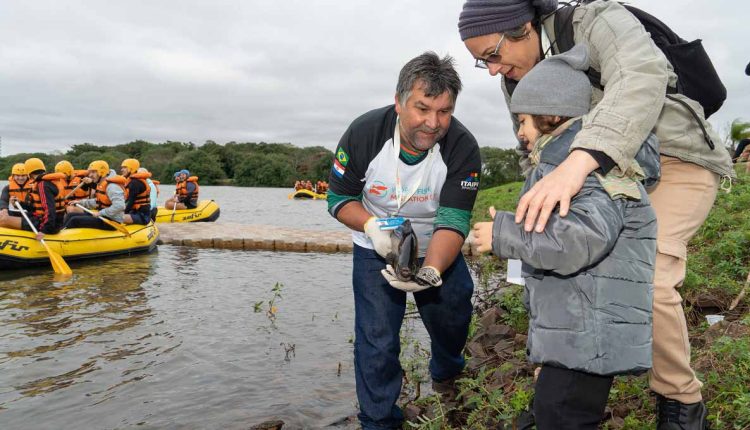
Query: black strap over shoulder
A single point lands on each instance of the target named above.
(564, 39)
(563, 29)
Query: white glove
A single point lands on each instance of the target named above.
(426, 277)
(408, 286)
(430, 276)
(381, 239)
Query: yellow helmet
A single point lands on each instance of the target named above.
(132, 164)
(101, 167)
(18, 169)
(64, 167)
(33, 164)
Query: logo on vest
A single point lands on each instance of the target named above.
(421, 195)
(378, 189)
(471, 183)
(13, 245)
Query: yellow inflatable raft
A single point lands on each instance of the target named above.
(207, 211)
(19, 249)
(307, 194)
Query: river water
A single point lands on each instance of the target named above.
(182, 337)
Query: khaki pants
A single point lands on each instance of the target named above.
(682, 201)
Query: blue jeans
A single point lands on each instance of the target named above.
(378, 314)
(139, 217)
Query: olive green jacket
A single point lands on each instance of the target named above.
(635, 74)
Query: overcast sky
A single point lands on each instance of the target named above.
(275, 71)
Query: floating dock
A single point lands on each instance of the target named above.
(255, 237)
(258, 237)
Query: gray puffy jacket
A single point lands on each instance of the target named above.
(589, 274)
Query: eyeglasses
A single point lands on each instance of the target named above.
(493, 58)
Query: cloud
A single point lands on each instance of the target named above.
(276, 71)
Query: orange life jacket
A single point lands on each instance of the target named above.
(35, 199)
(18, 191)
(144, 198)
(182, 188)
(102, 199)
(80, 193)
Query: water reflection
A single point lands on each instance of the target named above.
(185, 262)
(172, 340)
(73, 322)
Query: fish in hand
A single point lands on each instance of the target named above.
(405, 252)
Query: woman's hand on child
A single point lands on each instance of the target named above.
(482, 240)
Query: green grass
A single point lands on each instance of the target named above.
(504, 198)
(719, 254)
(726, 375)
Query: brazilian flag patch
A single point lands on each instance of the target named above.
(342, 156)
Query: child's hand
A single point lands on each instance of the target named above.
(483, 234)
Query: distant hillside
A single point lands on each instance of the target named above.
(246, 164)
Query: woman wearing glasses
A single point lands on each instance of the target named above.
(508, 38)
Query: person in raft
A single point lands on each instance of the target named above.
(410, 160)
(154, 194)
(589, 274)
(137, 193)
(16, 191)
(109, 199)
(73, 178)
(186, 192)
(44, 201)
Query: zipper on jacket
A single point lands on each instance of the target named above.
(707, 139)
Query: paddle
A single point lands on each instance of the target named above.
(174, 206)
(117, 226)
(67, 196)
(58, 264)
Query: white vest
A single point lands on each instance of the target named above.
(420, 183)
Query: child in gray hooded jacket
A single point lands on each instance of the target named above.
(588, 275)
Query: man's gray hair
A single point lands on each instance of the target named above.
(437, 75)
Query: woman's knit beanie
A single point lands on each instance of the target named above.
(480, 17)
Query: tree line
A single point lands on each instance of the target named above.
(242, 164)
